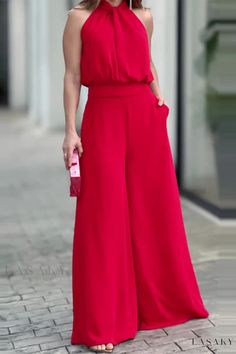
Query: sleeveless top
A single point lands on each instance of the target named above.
(115, 47)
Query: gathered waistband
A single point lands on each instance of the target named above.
(117, 89)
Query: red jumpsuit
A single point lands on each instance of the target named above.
(131, 267)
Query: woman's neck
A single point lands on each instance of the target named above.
(114, 2)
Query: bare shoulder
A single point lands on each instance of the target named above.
(77, 15)
(145, 15)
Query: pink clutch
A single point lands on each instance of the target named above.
(75, 178)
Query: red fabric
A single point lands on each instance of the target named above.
(131, 267)
(115, 47)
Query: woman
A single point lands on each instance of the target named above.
(131, 263)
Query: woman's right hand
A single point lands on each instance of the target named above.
(71, 141)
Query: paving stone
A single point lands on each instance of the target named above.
(6, 324)
(175, 337)
(220, 331)
(55, 345)
(153, 333)
(5, 346)
(9, 299)
(63, 320)
(202, 350)
(28, 350)
(17, 336)
(36, 340)
(24, 291)
(66, 335)
(73, 349)
(223, 351)
(47, 294)
(54, 329)
(60, 308)
(21, 303)
(34, 326)
(163, 349)
(53, 297)
(8, 311)
(50, 304)
(8, 292)
(3, 331)
(54, 351)
(228, 321)
(26, 314)
(59, 317)
(192, 324)
(132, 345)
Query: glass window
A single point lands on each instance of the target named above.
(209, 101)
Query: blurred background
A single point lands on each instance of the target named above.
(194, 50)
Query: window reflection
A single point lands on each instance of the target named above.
(210, 101)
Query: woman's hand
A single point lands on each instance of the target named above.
(71, 141)
(160, 100)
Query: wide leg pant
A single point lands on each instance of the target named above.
(131, 266)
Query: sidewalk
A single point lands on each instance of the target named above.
(36, 215)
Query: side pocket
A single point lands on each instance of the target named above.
(167, 110)
(164, 109)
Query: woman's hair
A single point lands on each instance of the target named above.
(90, 4)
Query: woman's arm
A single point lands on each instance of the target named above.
(148, 21)
(72, 85)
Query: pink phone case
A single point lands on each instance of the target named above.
(75, 178)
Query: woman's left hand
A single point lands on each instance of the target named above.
(160, 100)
